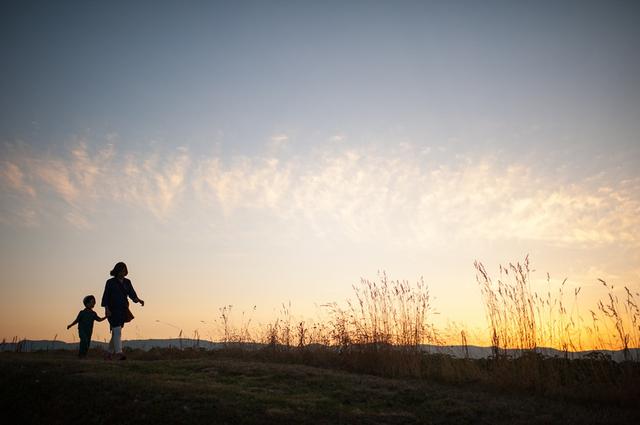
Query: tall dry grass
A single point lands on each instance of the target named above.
(384, 327)
(383, 313)
(523, 319)
(231, 334)
(620, 319)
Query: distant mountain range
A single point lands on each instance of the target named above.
(475, 352)
(471, 351)
(143, 344)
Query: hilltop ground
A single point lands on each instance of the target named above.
(56, 388)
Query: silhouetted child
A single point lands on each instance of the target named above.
(85, 321)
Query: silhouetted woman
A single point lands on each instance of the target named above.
(116, 305)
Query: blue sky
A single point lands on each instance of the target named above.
(237, 71)
(285, 149)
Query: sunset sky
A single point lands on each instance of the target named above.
(255, 153)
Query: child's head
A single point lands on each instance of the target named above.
(89, 301)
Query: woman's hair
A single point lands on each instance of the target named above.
(118, 268)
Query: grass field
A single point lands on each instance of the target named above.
(364, 365)
(55, 388)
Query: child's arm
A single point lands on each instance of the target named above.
(75, 322)
(98, 318)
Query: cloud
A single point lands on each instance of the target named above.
(279, 138)
(278, 141)
(55, 173)
(88, 178)
(18, 196)
(13, 178)
(369, 194)
(399, 193)
(87, 169)
(152, 182)
(78, 220)
(18, 215)
(259, 183)
(169, 182)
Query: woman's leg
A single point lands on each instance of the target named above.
(116, 339)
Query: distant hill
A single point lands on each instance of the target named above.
(143, 344)
(473, 352)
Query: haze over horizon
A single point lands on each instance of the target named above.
(254, 154)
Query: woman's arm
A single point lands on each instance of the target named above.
(132, 294)
(106, 296)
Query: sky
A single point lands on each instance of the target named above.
(260, 153)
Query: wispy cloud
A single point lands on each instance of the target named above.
(369, 193)
(18, 197)
(77, 220)
(278, 141)
(151, 182)
(258, 183)
(401, 193)
(86, 179)
(90, 169)
(55, 174)
(13, 178)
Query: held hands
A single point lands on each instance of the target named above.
(141, 302)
